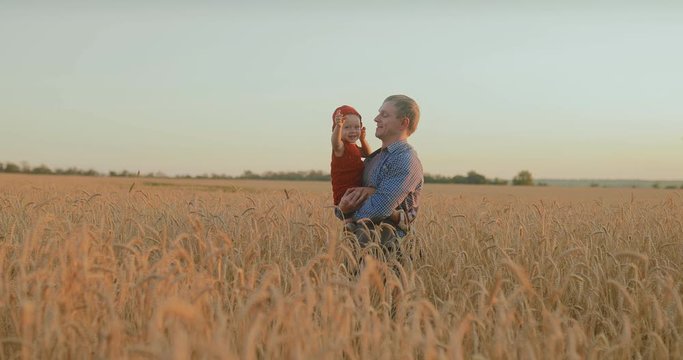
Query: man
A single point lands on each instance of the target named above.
(392, 177)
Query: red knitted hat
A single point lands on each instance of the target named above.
(346, 110)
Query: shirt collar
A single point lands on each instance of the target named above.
(399, 145)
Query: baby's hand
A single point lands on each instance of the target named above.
(338, 118)
(362, 133)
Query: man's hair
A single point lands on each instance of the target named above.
(407, 107)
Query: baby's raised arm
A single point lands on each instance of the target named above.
(337, 143)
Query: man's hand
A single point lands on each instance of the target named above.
(362, 133)
(354, 197)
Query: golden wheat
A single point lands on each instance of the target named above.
(124, 268)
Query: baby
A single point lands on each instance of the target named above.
(347, 165)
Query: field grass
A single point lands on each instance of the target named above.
(139, 268)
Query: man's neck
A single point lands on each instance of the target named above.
(387, 142)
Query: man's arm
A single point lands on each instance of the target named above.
(353, 199)
(403, 176)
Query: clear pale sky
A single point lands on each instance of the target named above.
(566, 90)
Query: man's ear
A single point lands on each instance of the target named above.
(405, 123)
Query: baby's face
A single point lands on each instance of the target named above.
(351, 128)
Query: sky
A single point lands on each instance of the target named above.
(573, 89)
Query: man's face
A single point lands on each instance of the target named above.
(388, 124)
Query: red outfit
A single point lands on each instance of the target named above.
(347, 171)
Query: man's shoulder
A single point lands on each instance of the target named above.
(405, 161)
(403, 151)
(399, 147)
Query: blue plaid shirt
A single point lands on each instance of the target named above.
(396, 174)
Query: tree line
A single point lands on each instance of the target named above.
(25, 168)
(524, 177)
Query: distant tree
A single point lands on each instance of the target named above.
(655, 186)
(497, 181)
(459, 179)
(437, 179)
(42, 169)
(523, 178)
(126, 173)
(474, 178)
(12, 168)
(248, 174)
(71, 171)
(317, 175)
(2, 167)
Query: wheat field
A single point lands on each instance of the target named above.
(187, 269)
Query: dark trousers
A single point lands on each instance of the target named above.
(382, 235)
